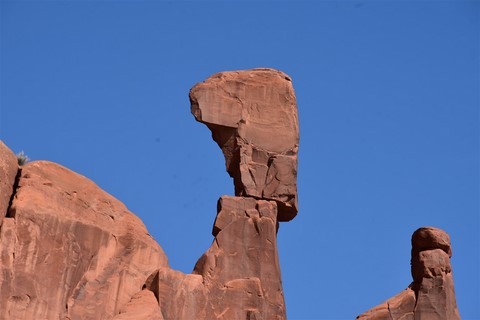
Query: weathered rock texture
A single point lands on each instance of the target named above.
(238, 277)
(431, 295)
(68, 250)
(253, 117)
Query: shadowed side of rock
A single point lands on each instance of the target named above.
(431, 295)
(8, 174)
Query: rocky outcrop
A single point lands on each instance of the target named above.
(238, 277)
(431, 295)
(69, 250)
(253, 117)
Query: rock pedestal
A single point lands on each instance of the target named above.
(238, 277)
(253, 118)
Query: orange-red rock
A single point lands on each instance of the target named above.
(398, 307)
(253, 117)
(238, 277)
(69, 250)
(143, 305)
(431, 295)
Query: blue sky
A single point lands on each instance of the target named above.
(388, 96)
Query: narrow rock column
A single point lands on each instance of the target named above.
(432, 275)
(240, 271)
(253, 117)
(431, 295)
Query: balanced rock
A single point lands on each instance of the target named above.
(253, 117)
(431, 295)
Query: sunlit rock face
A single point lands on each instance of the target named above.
(431, 295)
(69, 250)
(253, 117)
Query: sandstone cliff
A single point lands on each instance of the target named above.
(69, 250)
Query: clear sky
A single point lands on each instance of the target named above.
(388, 97)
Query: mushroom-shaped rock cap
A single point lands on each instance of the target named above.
(253, 117)
(429, 238)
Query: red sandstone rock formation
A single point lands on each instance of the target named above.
(431, 295)
(253, 117)
(68, 250)
(238, 277)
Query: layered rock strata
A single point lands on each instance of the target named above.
(253, 117)
(431, 295)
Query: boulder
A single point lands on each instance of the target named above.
(252, 115)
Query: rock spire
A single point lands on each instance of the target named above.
(69, 250)
(253, 118)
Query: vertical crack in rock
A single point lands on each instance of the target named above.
(431, 295)
(10, 213)
(9, 176)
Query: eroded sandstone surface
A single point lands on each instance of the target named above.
(431, 295)
(253, 117)
(69, 250)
